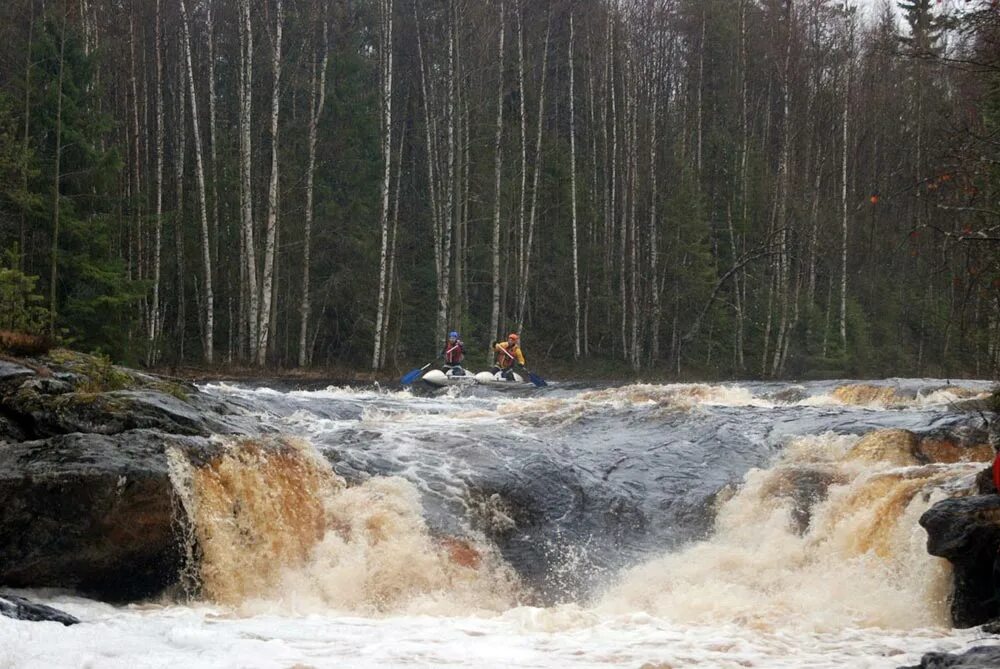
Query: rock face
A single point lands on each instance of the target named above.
(20, 608)
(966, 531)
(979, 657)
(91, 512)
(86, 500)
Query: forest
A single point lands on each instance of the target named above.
(694, 188)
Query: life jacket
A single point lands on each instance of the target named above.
(996, 472)
(453, 353)
(506, 356)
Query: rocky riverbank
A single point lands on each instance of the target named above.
(86, 500)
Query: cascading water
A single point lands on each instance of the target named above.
(643, 525)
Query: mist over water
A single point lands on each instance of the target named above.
(719, 525)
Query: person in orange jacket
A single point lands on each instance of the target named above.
(508, 354)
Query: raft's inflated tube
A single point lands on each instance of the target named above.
(436, 377)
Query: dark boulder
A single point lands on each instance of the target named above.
(979, 657)
(20, 608)
(110, 413)
(966, 531)
(93, 512)
(13, 374)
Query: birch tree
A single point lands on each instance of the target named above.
(385, 58)
(572, 163)
(317, 102)
(497, 167)
(526, 262)
(271, 229)
(247, 246)
(154, 312)
(206, 252)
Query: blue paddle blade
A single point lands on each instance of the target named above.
(410, 377)
(537, 380)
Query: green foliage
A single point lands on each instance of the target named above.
(21, 307)
(95, 299)
(98, 372)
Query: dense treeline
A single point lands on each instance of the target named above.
(739, 187)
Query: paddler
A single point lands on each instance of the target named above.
(508, 354)
(454, 354)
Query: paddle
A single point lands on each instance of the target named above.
(413, 375)
(536, 379)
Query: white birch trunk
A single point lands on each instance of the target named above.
(392, 248)
(246, 187)
(179, 156)
(448, 215)
(56, 181)
(497, 166)
(783, 185)
(386, 58)
(154, 316)
(317, 101)
(271, 226)
(572, 163)
(209, 319)
(843, 203)
(524, 151)
(212, 138)
(526, 267)
(653, 236)
(441, 257)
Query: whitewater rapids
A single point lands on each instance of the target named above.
(638, 526)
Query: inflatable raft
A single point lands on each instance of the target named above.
(440, 379)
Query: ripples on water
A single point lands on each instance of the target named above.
(651, 525)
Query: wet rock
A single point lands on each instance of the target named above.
(898, 447)
(860, 394)
(789, 395)
(979, 657)
(992, 627)
(984, 482)
(47, 386)
(966, 531)
(92, 512)
(805, 487)
(10, 430)
(111, 413)
(13, 375)
(950, 450)
(20, 608)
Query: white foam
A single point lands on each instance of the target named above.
(200, 637)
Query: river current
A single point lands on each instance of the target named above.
(726, 525)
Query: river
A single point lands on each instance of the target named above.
(725, 525)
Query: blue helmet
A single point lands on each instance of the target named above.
(452, 335)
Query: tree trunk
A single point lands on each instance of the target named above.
(271, 228)
(246, 187)
(317, 101)
(386, 60)
(653, 237)
(179, 150)
(206, 253)
(524, 153)
(783, 185)
(497, 167)
(535, 179)
(56, 179)
(154, 316)
(212, 137)
(26, 145)
(572, 162)
(843, 202)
